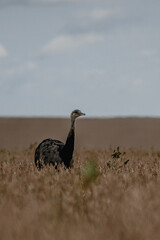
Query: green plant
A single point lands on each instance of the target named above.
(118, 159)
(89, 172)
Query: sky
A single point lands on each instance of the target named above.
(100, 56)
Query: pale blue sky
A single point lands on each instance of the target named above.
(100, 56)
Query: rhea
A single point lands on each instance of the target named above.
(54, 152)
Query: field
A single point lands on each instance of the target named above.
(104, 196)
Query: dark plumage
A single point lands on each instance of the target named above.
(54, 152)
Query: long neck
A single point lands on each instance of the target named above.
(68, 149)
(70, 138)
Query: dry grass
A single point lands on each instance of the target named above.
(100, 198)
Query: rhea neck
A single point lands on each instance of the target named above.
(72, 123)
(68, 149)
(70, 138)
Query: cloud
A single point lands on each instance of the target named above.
(97, 19)
(18, 69)
(27, 2)
(138, 82)
(31, 65)
(3, 52)
(148, 53)
(95, 72)
(101, 14)
(67, 43)
(54, 1)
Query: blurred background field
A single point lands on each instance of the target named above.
(91, 133)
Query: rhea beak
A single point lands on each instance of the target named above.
(83, 114)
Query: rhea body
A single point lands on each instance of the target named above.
(54, 152)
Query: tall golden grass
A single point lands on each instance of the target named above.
(99, 198)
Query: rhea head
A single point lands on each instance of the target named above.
(76, 113)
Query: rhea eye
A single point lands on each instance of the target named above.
(76, 111)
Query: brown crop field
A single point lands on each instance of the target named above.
(110, 193)
(103, 196)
